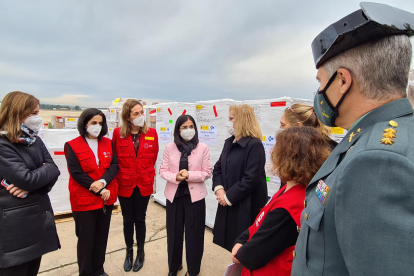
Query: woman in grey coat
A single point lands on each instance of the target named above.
(27, 174)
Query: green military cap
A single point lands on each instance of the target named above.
(373, 21)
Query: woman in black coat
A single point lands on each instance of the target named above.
(28, 173)
(239, 178)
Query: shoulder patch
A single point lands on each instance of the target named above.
(390, 136)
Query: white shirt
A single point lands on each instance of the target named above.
(93, 144)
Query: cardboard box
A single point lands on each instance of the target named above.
(67, 122)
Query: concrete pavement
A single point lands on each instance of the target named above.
(63, 262)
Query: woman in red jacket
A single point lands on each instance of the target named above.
(93, 188)
(137, 149)
(267, 247)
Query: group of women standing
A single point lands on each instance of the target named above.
(101, 171)
(260, 236)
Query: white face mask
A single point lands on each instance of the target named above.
(94, 130)
(187, 134)
(230, 128)
(34, 122)
(139, 121)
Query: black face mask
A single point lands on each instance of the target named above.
(324, 110)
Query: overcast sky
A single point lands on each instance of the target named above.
(90, 52)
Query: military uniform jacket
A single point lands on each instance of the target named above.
(359, 207)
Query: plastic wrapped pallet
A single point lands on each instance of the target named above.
(54, 140)
(59, 195)
(160, 186)
(269, 112)
(338, 133)
(111, 128)
(166, 116)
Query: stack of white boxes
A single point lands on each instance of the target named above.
(268, 113)
(54, 140)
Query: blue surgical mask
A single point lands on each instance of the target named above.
(324, 110)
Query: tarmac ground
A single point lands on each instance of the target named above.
(64, 262)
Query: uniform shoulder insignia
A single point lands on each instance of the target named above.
(389, 134)
(393, 123)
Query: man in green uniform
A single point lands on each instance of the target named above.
(359, 208)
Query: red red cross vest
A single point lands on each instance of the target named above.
(81, 199)
(136, 171)
(292, 201)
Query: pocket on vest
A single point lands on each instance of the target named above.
(22, 226)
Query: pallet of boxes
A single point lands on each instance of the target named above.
(64, 122)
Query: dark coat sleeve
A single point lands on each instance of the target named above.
(217, 173)
(75, 169)
(14, 170)
(256, 159)
(277, 232)
(242, 239)
(111, 172)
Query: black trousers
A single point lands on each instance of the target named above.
(182, 213)
(30, 268)
(134, 210)
(92, 229)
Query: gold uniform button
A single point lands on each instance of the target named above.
(297, 228)
(294, 254)
(304, 203)
(306, 216)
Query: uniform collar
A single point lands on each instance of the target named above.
(392, 110)
(389, 111)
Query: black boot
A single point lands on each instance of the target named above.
(128, 259)
(139, 261)
(175, 272)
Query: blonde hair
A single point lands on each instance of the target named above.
(14, 108)
(126, 114)
(247, 124)
(303, 113)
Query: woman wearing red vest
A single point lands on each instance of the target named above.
(93, 189)
(137, 148)
(267, 247)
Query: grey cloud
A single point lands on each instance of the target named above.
(177, 50)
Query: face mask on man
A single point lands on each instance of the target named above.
(230, 128)
(94, 130)
(187, 134)
(323, 108)
(34, 122)
(139, 121)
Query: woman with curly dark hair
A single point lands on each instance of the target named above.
(267, 247)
